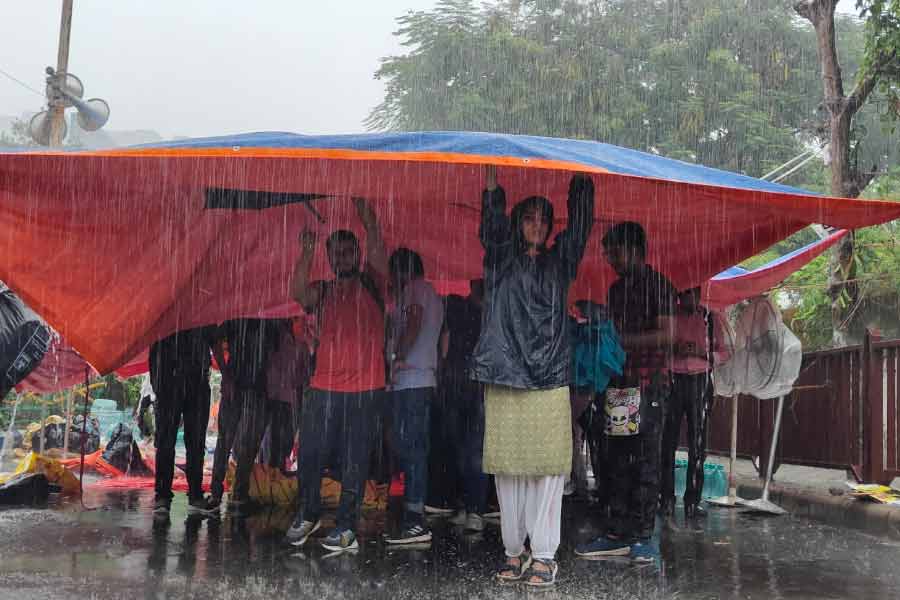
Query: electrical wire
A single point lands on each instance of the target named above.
(22, 83)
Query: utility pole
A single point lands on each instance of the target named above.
(57, 108)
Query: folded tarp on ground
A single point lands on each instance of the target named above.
(119, 248)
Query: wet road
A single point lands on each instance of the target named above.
(116, 551)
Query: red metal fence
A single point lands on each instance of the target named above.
(843, 413)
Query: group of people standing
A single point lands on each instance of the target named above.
(484, 383)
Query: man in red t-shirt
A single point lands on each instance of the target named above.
(341, 412)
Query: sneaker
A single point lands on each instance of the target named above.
(162, 506)
(437, 511)
(300, 531)
(459, 518)
(603, 546)
(644, 551)
(492, 515)
(474, 522)
(340, 539)
(202, 506)
(415, 534)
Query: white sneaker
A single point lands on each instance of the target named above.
(440, 512)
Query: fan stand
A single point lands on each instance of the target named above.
(764, 505)
(731, 500)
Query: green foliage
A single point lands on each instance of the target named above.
(882, 47)
(718, 82)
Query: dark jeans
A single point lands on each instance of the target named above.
(690, 397)
(410, 424)
(341, 424)
(634, 472)
(467, 416)
(256, 411)
(186, 401)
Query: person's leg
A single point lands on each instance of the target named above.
(622, 481)
(645, 488)
(254, 418)
(229, 418)
(410, 431)
(696, 409)
(317, 421)
(670, 437)
(580, 401)
(196, 419)
(471, 450)
(361, 415)
(543, 514)
(511, 493)
(168, 419)
(442, 488)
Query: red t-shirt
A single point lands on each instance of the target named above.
(350, 353)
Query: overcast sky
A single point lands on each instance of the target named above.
(211, 67)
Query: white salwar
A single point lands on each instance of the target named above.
(531, 507)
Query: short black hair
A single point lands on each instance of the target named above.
(627, 234)
(341, 235)
(404, 260)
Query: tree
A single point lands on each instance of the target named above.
(719, 82)
(880, 68)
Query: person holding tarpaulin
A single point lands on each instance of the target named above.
(523, 360)
(341, 409)
(640, 303)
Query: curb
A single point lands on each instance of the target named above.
(839, 510)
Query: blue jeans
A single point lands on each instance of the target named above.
(410, 420)
(337, 426)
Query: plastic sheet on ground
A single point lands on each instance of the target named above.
(269, 486)
(54, 470)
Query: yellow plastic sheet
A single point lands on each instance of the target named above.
(52, 470)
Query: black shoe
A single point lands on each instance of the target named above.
(694, 511)
(202, 506)
(413, 534)
(161, 507)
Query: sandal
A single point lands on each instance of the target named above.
(547, 578)
(517, 571)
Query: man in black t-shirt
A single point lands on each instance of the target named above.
(641, 305)
(179, 374)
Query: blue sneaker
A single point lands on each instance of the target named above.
(340, 539)
(604, 546)
(644, 551)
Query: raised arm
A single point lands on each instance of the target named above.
(376, 255)
(570, 244)
(494, 230)
(302, 291)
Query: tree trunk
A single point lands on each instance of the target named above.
(846, 182)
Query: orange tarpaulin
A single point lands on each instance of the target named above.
(118, 249)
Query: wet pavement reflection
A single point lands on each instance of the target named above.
(117, 550)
